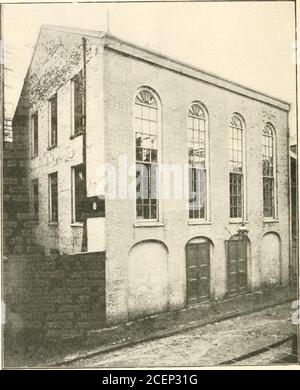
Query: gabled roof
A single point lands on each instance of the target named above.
(113, 43)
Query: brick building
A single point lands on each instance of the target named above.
(91, 99)
(294, 212)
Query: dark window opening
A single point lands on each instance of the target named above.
(53, 121)
(35, 199)
(78, 104)
(53, 198)
(79, 198)
(35, 133)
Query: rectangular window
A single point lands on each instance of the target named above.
(197, 193)
(78, 193)
(53, 198)
(34, 134)
(53, 121)
(35, 199)
(78, 97)
(236, 195)
(146, 187)
(268, 188)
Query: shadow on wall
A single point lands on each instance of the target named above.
(270, 259)
(148, 284)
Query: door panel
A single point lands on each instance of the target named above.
(198, 272)
(237, 266)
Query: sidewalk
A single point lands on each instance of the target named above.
(158, 326)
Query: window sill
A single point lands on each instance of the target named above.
(72, 136)
(34, 156)
(148, 224)
(237, 221)
(52, 147)
(77, 224)
(53, 223)
(271, 220)
(198, 222)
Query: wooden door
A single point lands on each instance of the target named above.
(237, 266)
(198, 272)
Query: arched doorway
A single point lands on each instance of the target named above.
(198, 270)
(147, 278)
(237, 265)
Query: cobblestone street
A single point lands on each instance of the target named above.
(209, 345)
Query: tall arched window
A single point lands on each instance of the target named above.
(197, 153)
(147, 150)
(236, 167)
(269, 171)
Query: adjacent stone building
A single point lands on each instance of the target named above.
(91, 99)
(294, 213)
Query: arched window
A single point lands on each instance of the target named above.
(269, 171)
(236, 167)
(146, 118)
(197, 154)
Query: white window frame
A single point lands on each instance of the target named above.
(158, 220)
(275, 217)
(243, 218)
(207, 164)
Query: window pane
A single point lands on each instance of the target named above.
(146, 124)
(53, 120)
(236, 167)
(236, 195)
(197, 161)
(53, 198)
(35, 194)
(78, 96)
(146, 187)
(268, 171)
(79, 193)
(268, 184)
(197, 193)
(35, 134)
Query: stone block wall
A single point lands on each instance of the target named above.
(56, 296)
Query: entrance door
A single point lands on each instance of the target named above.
(198, 272)
(237, 265)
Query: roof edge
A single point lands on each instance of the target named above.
(128, 48)
(111, 40)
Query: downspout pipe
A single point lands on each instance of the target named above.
(84, 236)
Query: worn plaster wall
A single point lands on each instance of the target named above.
(123, 76)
